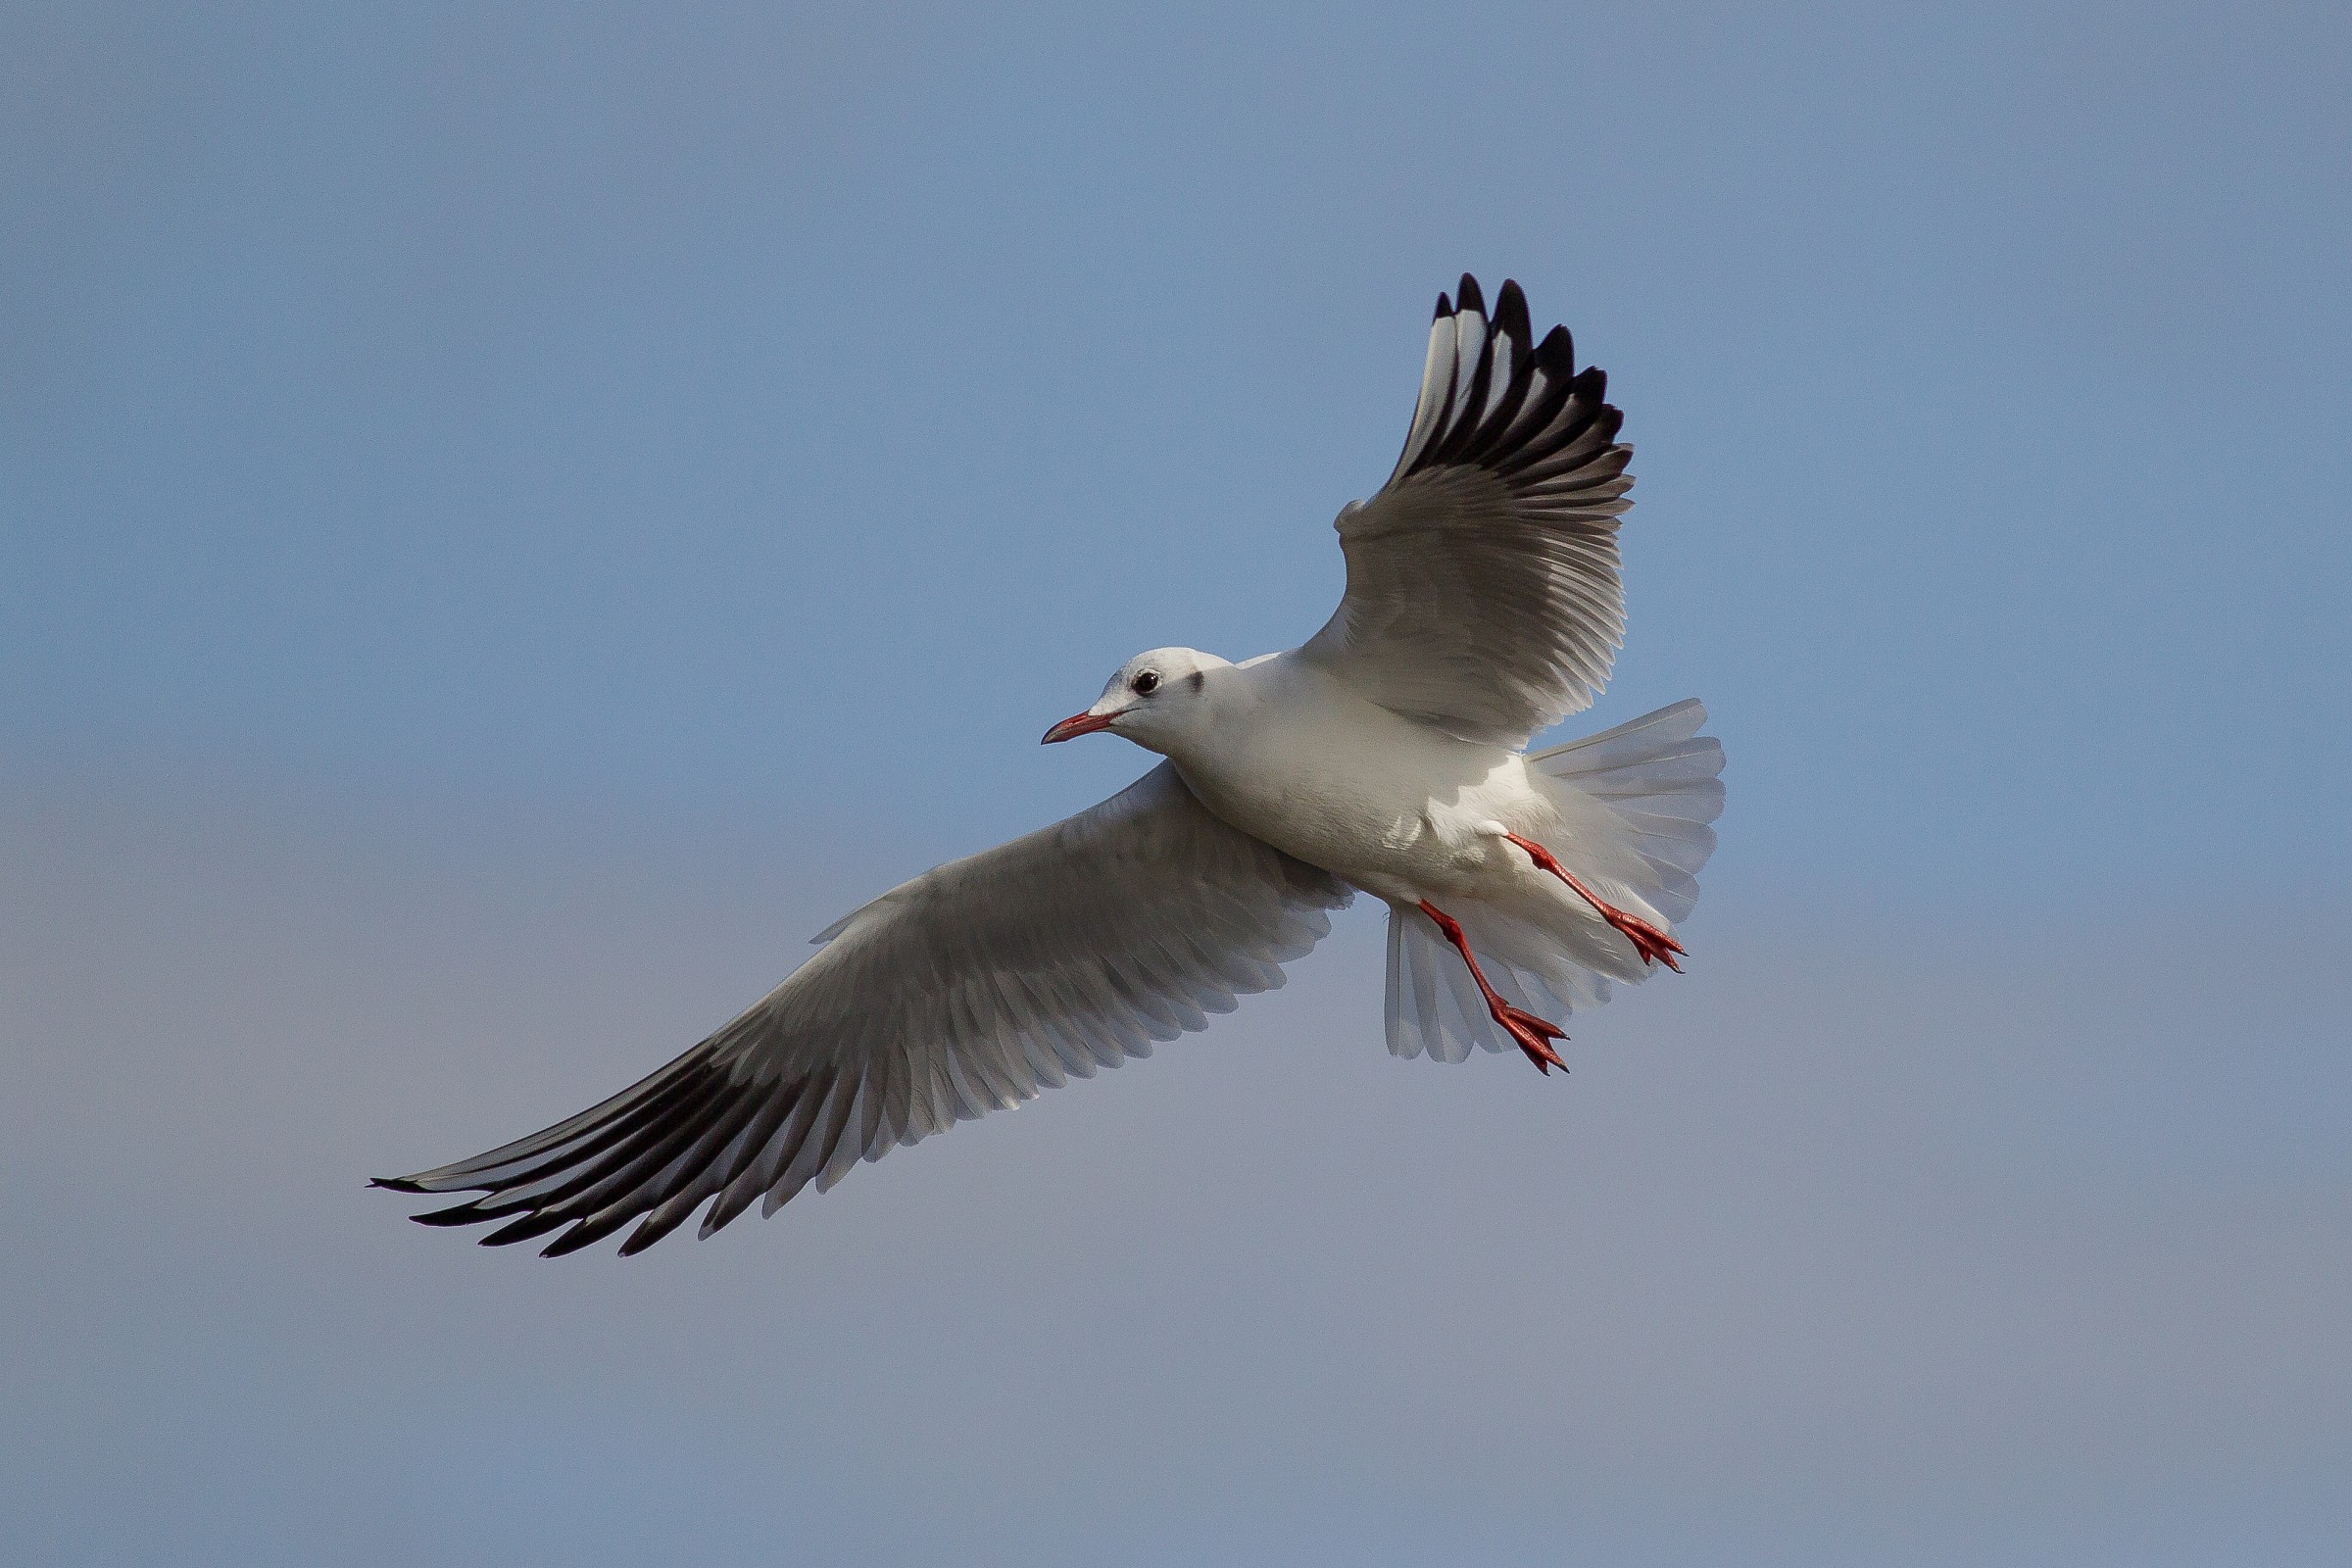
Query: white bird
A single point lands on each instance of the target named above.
(1385, 754)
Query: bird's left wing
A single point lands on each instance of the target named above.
(1482, 591)
(964, 990)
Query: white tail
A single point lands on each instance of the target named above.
(1658, 775)
(1650, 787)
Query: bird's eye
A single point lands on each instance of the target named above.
(1145, 683)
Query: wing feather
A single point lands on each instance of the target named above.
(970, 988)
(1482, 582)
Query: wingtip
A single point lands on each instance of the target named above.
(394, 1184)
(652, 1229)
(1556, 354)
(1470, 298)
(1510, 313)
(523, 1230)
(1445, 308)
(571, 1240)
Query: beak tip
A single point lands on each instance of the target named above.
(1075, 725)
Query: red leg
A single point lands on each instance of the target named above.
(1531, 1032)
(1654, 945)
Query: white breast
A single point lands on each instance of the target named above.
(1395, 806)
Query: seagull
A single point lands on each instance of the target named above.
(1385, 754)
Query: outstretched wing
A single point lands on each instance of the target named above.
(1482, 591)
(964, 990)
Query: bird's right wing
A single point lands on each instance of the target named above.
(1483, 593)
(964, 990)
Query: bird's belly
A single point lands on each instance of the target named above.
(1400, 843)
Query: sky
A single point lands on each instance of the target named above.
(513, 518)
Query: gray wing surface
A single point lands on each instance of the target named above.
(1483, 590)
(964, 990)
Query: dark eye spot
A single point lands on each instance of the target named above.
(1145, 683)
(1196, 679)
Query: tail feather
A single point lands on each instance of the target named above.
(1434, 1006)
(1658, 778)
(1643, 794)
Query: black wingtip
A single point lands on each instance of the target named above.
(1556, 354)
(653, 1228)
(1470, 298)
(394, 1184)
(1445, 309)
(646, 1235)
(571, 1240)
(467, 1213)
(523, 1230)
(1510, 313)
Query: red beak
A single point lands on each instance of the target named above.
(1077, 724)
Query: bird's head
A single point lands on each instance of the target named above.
(1158, 700)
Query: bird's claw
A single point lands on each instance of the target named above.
(1654, 945)
(1533, 1035)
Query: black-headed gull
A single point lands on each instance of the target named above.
(1385, 754)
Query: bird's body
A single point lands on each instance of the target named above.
(1386, 755)
(1390, 805)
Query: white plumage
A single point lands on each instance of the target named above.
(1384, 754)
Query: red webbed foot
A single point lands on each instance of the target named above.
(1533, 1035)
(1653, 945)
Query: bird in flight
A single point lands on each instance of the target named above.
(1385, 754)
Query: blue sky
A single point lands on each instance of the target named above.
(569, 501)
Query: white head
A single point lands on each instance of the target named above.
(1158, 700)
